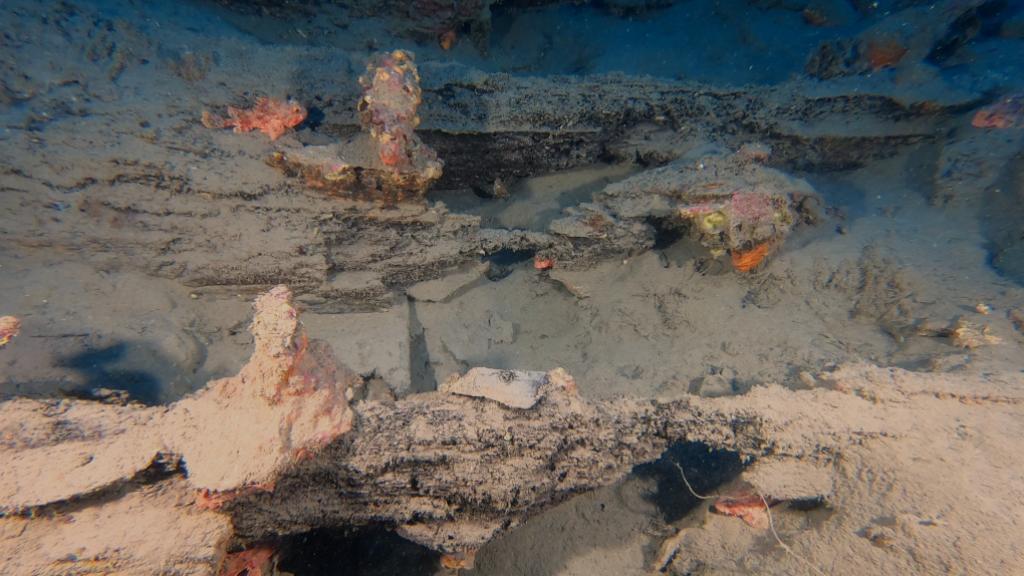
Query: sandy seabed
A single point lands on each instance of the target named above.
(898, 313)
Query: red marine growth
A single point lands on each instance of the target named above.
(270, 116)
(1007, 113)
(746, 505)
(256, 561)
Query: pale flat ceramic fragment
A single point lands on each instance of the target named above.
(513, 388)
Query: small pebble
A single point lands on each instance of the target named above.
(807, 379)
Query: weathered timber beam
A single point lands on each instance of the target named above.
(532, 125)
(280, 449)
(450, 472)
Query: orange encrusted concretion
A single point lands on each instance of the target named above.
(746, 505)
(543, 263)
(391, 96)
(747, 260)
(447, 40)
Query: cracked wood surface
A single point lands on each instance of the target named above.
(176, 200)
(453, 472)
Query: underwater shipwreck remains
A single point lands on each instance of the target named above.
(729, 203)
(337, 252)
(216, 482)
(282, 448)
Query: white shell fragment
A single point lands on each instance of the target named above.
(513, 388)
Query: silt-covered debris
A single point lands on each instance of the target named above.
(729, 203)
(451, 470)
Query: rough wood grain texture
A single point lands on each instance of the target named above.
(235, 225)
(89, 168)
(452, 471)
(212, 214)
(492, 125)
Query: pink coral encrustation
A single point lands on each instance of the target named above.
(271, 116)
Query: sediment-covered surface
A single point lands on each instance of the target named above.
(783, 253)
(168, 196)
(454, 469)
